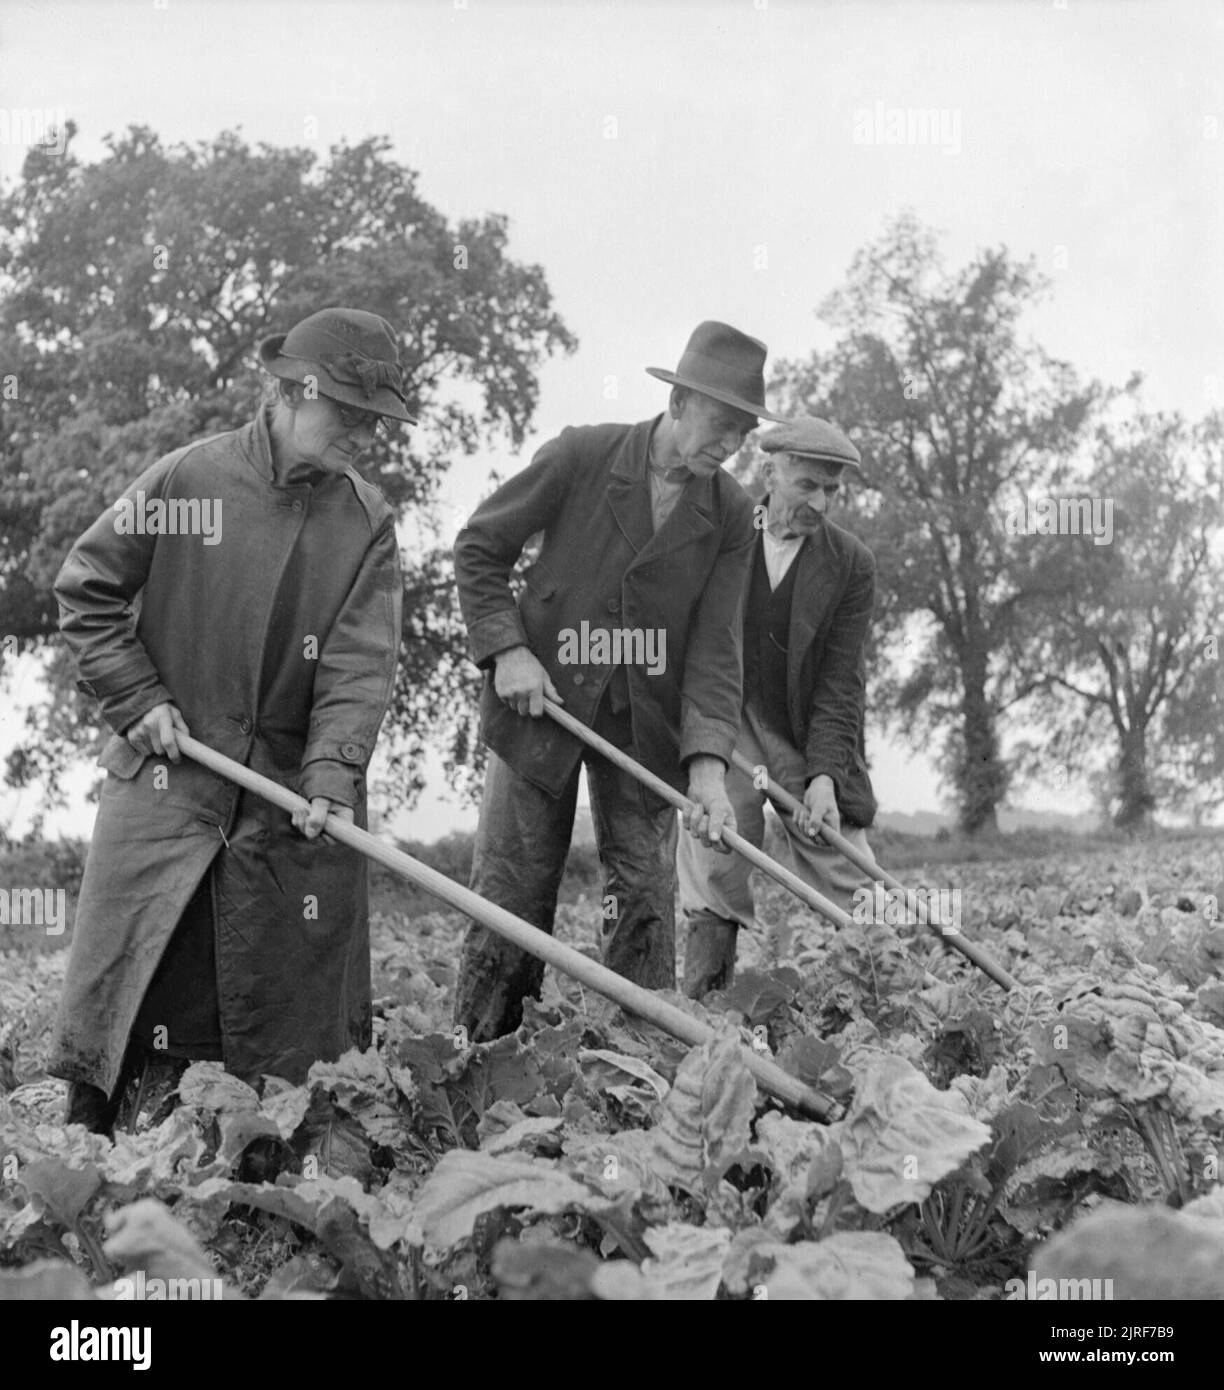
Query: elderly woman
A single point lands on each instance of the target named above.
(211, 925)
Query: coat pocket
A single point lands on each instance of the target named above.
(120, 758)
(541, 583)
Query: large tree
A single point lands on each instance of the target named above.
(955, 413)
(1133, 664)
(133, 292)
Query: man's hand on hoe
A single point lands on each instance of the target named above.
(710, 813)
(819, 805)
(155, 732)
(521, 682)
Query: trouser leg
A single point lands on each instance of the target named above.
(636, 840)
(522, 841)
(820, 866)
(716, 893)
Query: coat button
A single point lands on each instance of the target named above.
(614, 605)
(579, 678)
(297, 506)
(350, 750)
(245, 726)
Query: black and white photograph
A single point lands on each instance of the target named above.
(610, 674)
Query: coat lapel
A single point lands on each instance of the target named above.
(629, 497)
(628, 490)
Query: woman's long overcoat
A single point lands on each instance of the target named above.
(270, 615)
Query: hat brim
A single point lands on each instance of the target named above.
(830, 460)
(383, 402)
(726, 397)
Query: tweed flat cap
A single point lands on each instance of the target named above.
(810, 437)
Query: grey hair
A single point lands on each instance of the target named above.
(276, 389)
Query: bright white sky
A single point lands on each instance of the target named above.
(672, 162)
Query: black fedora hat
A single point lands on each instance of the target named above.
(351, 355)
(722, 362)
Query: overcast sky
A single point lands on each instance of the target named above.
(671, 162)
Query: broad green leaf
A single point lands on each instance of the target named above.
(305, 1276)
(1148, 1253)
(816, 1063)
(210, 1086)
(704, 1123)
(64, 1192)
(797, 1151)
(608, 1068)
(902, 1135)
(465, 1185)
(758, 994)
(544, 1271)
(45, 1280)
(287, 1109)
(1209, 1206)
(858, 1265)
(687, 1261)
(162, 1155)
(145, 1236)
(354, 1079)
(523, 1134)
(617, 1165)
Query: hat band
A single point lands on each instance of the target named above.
(723, 376)
(368, 373)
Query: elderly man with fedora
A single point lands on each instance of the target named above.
(630, 618)
(810, 596)
(211, 925)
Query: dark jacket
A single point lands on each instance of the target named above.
(826, 682)
(279, 646)
(587, 491)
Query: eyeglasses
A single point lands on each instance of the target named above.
(352, 418)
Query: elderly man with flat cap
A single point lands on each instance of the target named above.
(810, 596)
(630, 618)
(211, 925)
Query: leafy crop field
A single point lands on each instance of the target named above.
(591, 1156)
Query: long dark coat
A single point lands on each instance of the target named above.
(278, 644)
(602, 562)
(826, 675)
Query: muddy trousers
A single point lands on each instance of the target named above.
(716, 890)
(522, 842)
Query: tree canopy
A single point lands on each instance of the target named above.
(133, 293)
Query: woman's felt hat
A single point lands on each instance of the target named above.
(350, 355)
